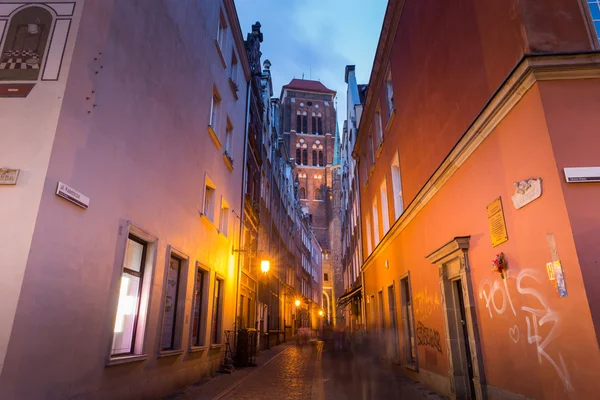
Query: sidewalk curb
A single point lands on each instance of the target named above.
(238, 383)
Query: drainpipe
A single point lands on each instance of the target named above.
(242, 213)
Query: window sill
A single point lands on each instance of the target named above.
(228, 162)
(390, 120)
(214, 137)
(412, 367)
(220, 54)
(216, 346)
(197, 349)
(126, 359)
(169, 353)
(234, 88)
(380, 149)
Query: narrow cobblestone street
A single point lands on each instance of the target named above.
(314, 371)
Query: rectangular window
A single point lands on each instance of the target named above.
(235, 69)
(408, 337)
(385, 216)
(130, 293)
(375, 223)
(229, 139)
(378, 129)
(594, 6)
(397, 187)
(389, 91)
(320, 127)
(224, 219)
(171, 304)
(198, 317)
(215, 332)
(368, 233)
(222, 30)
(299, 123)
(209, 200)
(215, 111)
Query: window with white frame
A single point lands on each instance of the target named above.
(224, 218)
(173, 304)
(216, 336)
(235, 71)
(134, 292)
(375, 222)
(594, 6)
(215, 111)
(389, 92)
(397, 187)
(199, 306)
(229, 139)
(222, 30)
(368, 233)
(378, 128)
(385, 216)
(209, 200)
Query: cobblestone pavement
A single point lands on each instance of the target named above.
(314, 372)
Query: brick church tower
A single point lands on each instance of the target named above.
(308, 119)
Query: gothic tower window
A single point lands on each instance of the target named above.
(304, 157)
(314, 126)
(320, 131)
(317, 194)
(320, 158)
(298, 160)
(304, 124)
(302, 193)
(298, 124)
(314, 157)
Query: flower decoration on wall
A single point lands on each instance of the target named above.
(499, 264)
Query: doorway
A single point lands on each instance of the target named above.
(393, 331)
(463, 350)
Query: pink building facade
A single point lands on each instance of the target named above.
(125, 122)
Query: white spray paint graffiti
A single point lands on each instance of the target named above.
(535, 318)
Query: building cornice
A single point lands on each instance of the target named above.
(531, 69)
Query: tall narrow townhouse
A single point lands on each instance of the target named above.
(478, 173)
(123, 130)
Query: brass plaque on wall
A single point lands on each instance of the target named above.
(496, 222)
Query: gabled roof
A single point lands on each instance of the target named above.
(308, 85)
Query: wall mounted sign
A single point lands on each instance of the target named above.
(8, 176)
(496, 222)
(526, 191)
(72, 195)
(587, 174)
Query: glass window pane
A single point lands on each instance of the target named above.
(126, 314)
(215, 331)
(595, 11)
(133, 256)
(196, 334)
(169, 318)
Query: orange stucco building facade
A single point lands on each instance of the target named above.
(472, 104)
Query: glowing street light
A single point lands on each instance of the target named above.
(264, 266)
(320, 313)
(297, 303)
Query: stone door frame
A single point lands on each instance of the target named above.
(453, 264)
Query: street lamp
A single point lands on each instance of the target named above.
(297, 303)
(320, 313)
(265, 265)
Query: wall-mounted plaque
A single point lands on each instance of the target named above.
(496, 222)
(72, 195)
(526, 191)
(8, 176)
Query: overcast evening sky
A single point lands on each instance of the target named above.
(317, 38)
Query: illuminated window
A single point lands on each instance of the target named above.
(200, 300)
(368, 232)
(209, 200)
(130, 293)
(215, 332)
(375, 222)
(397, 187)
(385, 216)
(224, 218)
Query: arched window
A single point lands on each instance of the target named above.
(298, 151)
(304, 124)
(302, 193)
(304, 157)
(298, 124)
(314, 158)
(320, 127)
(26, 40)
(317, 194)
(314, 126)
(321, 158)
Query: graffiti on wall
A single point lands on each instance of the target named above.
(428, 337)
(425, 304)
(537, 314)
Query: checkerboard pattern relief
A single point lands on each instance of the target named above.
(17, 59)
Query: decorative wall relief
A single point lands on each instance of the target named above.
(8, 176)
(526, 191)
(26, 40)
